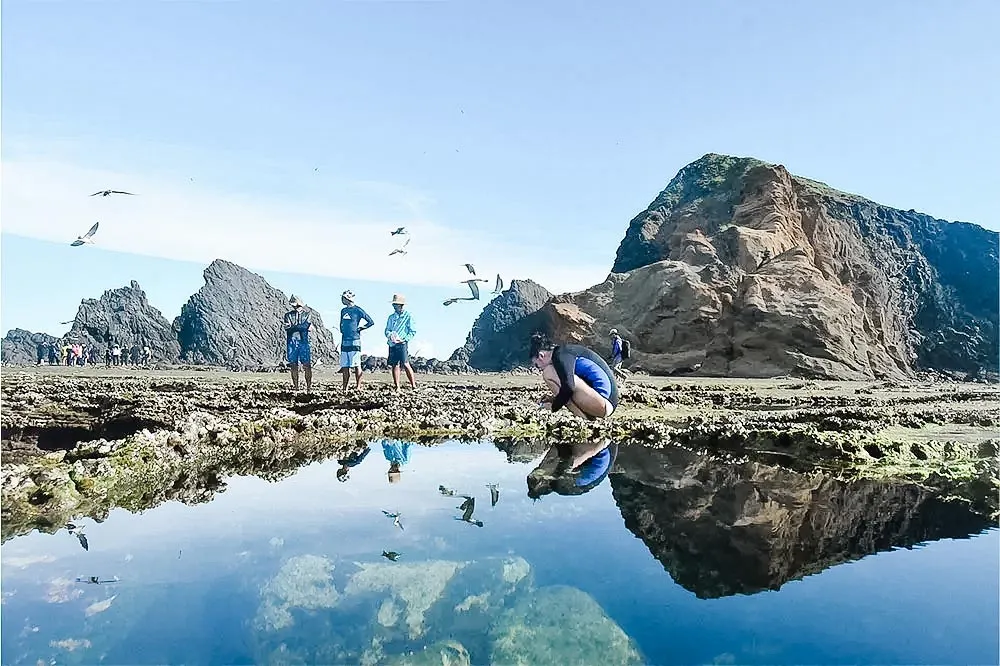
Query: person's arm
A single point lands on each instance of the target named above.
(287, 321)
(369, 322)
(565, 364)
(616, 347)
(410, 331)
(388, 326)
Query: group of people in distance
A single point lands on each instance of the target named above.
(578, 378)
(353, 320)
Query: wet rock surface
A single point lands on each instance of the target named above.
(81, 445)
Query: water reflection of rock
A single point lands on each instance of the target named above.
(722, 529)
(431, 612)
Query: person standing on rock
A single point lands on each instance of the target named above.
(298, 324)
(617, 354)
(398, 332)
(351, 317)
(579, 379)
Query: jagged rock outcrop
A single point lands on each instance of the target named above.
(750, 271)
(124, 317)
(235, 320)
(721, 529)
(500, 335)
(20, 347)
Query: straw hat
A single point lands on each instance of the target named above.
(398, 299)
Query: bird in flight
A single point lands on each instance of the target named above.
(497, 289)
(105, 193)
(397, 232)
(87, 237)
(471, 268)
(473, 287)
(401, 250)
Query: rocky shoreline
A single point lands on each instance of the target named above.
(82, 445)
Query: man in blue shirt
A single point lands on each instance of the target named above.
(298, 323)
(350, 344)
(398, 332)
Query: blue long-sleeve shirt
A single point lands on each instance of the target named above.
(400, 324)
(350, 325)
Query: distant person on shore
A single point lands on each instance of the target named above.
(397, 453)
(398, 333)
(351, 317)
(579, 379)
(41, 352)
(298, 324)
(619, 352)
(116, 356)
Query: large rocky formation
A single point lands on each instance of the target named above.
(499, 337)
(750, 271)
(235, 320)
(20, 347)
(722, 529)
(125, 317)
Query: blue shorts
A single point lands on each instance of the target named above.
(298, 352)
(397, 354)
(350, 359)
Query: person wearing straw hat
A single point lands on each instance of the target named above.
(398, 333)
(298, 323)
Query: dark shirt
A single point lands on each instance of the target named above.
(350, 329)
(297, 325)
(564, 359)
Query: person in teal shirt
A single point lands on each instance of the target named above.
(398, 333)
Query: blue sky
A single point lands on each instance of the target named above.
(290, 137)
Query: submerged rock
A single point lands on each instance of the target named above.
(443, 653)
(303, 583)
(560, 625)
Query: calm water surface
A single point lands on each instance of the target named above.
(617, 555)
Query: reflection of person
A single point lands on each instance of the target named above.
(572, 469)
(353, 460)
(398, 454)
(579, 379)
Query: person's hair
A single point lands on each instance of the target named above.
(540, 342)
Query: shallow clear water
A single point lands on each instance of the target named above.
(667, 560)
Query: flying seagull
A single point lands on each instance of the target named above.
(87, 237)
(494, 493)
(472, 269)
(105, 193)
(473, 287)
(397, 232)
(63, 323)
(467, 508)
(401, 250)
(497, 289)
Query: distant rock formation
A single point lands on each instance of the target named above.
(235, 319)
(750, 271)
(419, 364)
(125, 317)
(722, 529)
(500, 335)
(20, 347)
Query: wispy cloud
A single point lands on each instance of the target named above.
(48, 199)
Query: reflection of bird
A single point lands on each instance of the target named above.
(78, 533)
(87, 237)
(395, 518)
(390, 554)
(446, 491)
(494, 493)
(94, 580)
(105, 193)
(401, 250)
(472, 269)
(468, 507)
(473, 287)
(497, 289)
(401, 230)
